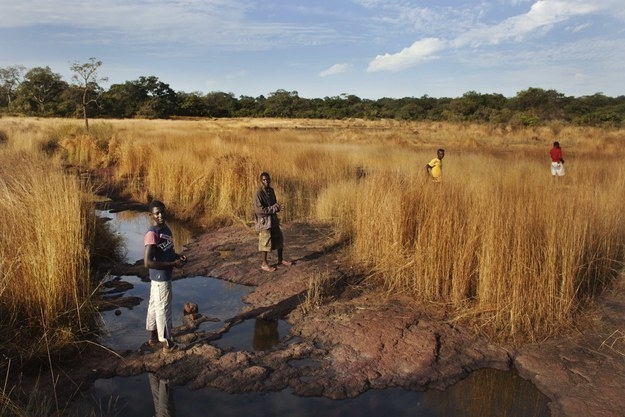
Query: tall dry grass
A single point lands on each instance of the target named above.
(44, 256)
(499, 242)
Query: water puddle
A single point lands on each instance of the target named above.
(124, 328)
(484, 393)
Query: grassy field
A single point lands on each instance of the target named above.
(499, 243)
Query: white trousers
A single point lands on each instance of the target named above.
(159, 310)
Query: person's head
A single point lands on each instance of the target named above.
(440, 153)
(157, 212)
(265, 180)
(556, 144)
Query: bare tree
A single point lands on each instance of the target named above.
(10, 79)
(87, 79)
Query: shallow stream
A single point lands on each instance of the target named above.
(484, 393)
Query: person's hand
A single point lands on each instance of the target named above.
(179, 263)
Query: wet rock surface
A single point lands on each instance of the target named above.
(350, 339)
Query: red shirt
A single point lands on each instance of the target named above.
(556, 154)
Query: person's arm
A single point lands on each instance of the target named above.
(149, 262)
(428, 169)
(261, 207)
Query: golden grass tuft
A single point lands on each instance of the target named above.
(44, 255)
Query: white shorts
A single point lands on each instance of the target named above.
(557, 168)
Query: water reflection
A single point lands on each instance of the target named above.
(486, 393)
(266, 334)
(163, 397)
(253, 335)
(489, 393)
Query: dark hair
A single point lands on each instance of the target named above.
(264, 174)
(556, 144)
(156, 203)
(441, 150)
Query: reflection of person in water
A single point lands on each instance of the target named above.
(163, 396)
(265, 334)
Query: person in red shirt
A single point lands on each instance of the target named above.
(557, 162)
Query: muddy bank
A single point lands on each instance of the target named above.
(355, 339)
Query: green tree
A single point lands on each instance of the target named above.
(220, 104)
(249, 107)
(473, 106)
(40, 92)
(87, 81)
(145, 97)
(122, 100)
(191, 104)
(538, 104)
(281, 103)
(10, 79)
(160, 100)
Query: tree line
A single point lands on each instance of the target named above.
(41, 92)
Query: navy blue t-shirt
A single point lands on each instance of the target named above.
(162, 237)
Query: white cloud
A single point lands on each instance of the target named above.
(407, 57)
(334, 69)
(541, 17)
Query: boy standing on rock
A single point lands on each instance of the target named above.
(266, 208)
(160, 258)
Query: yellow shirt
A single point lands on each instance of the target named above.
(437, 169)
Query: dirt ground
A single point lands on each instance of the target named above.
(355, 339)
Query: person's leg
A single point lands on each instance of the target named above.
(277, 242)
(150, 321)
(168, 313)
(153, 337)
(281, 259)
(162, 310)
(264, 246)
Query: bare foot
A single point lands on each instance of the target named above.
(286, 263)
(267, 268)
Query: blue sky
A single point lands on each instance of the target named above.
(325, 48)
